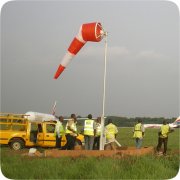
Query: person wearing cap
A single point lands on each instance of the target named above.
(97, 134)
(163, 137)
(138, 133)
(111, 133)
(59, 131)
(71, 132)
(89, 132)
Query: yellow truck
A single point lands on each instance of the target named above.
(18, 132)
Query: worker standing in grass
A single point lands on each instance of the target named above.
(163, 137)
(89, 132)
(138, 133)
(111, 133)
(98, 134)
(71, 132)
(59, 131)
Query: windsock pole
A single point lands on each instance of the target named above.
(102, 137)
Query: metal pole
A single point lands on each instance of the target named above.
(102, 137)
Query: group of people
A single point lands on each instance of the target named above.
(139, 131)
(92, 132)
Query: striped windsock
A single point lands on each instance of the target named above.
(87, 32)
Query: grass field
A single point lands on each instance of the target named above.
(15, 166)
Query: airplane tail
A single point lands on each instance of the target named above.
(54, 109)
(178, 119)
(177, 122)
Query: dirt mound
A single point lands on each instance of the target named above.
(176, 151)
(120, 152)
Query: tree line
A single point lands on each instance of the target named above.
(130, 122)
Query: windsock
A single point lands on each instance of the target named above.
(87, 32)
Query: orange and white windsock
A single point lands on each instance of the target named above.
(87, 32)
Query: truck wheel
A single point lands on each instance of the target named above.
(17, 144)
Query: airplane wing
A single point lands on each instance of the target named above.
(81, 118)
(152, 125)
(175, 124)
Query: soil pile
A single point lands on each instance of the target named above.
(120, 152)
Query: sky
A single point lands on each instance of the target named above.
(142, 58)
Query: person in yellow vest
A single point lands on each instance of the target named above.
(89, 132)
(97, 134)
(111, 133)
(163, 137)
(71, 132)
(59, 132)
(138, 131)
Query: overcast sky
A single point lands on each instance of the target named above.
(142, 61)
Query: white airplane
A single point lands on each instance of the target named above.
(37, 116)
(175, 124)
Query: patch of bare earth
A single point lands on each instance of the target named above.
(120, 152)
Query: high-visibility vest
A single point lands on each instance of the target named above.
(89, 127)
(110, 130)
(137, 131)
(59, 127)
(73, 126)
(98, 129)
(62, 132)
(165, 129)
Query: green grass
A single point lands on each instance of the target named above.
(15, 166)
(151, 138)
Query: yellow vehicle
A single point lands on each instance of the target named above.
(18, 132)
